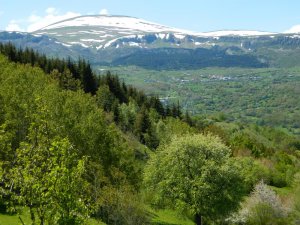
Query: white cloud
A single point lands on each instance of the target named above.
(33, 18)
(52, 16)
(293, 29)
(104, 12)
(35, 22)
(13, 26)
(51, 11)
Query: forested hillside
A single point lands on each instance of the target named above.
(78, 148)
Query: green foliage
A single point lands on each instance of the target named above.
(120, 206)
(47, 177)
(142, 124)
(195, 173)
(70, 74)
(105, 98)
(66, 155)
(284, 169)
(253, 172)
(36, 109)
(66, 80)
(48, 180)
(176, 59)
(296, 198)
(128, 114)
(171, 127)
(267, 97)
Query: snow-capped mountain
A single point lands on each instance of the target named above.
(120, 23)
(123, 40)
(100, 32)
(103, 31)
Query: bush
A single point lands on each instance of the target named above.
(121, 207)
(263, 207)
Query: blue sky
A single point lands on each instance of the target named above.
(195, 15)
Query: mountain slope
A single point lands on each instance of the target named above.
(44, 44)
(101, 32)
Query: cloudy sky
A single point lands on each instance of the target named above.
(194, 15)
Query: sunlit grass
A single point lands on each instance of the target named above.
(168, 217)
(6, 219)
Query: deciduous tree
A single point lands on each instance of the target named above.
(195, 173)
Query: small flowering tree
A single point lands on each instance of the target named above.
(262, 207)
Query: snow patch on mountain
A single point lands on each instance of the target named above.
(91, 40)
(242, 33)
(121, 22)
(118, 31)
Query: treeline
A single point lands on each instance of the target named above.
(176, 59)
(135, 112)
(123, 93)
(80, 70)
(287, 41)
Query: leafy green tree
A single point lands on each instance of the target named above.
(195, 173)
(45, 172)
(66, 80)
(47, 177)
(127, 115)
(170, 127)
(105, 98)
(121, 206)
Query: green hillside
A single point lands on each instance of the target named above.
(268, 97)
(78, 148)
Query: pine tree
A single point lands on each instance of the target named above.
(142, 124)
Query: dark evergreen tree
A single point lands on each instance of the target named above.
(142, 124)
(187, 118)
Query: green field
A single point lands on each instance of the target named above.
(268, 96)
(158, 217)
(6, 219)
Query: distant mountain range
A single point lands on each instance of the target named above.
(102, 32)
(123, 40)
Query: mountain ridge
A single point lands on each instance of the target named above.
(107, 31)
(207, 33)
(124, 40)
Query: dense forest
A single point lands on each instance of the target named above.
(79, 148)
(172, 58)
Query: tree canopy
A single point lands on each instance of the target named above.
(196, 173)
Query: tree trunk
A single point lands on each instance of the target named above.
(198, 219)
(32, 217)
(21, 220)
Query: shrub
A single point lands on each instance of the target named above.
(263, 207)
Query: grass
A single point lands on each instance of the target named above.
(168, 217)
(159, 217)
(283, 192)
(6, 219)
